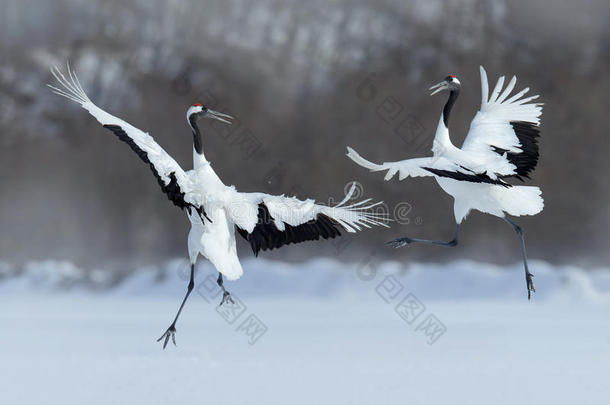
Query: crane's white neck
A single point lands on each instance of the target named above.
(441, 139)
(199, 159)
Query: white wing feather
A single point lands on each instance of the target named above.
(406, 168)
(164, 165)
(242, 209)
(491, 126)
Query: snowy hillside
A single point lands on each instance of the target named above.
(317, 278)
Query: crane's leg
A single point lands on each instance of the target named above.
(400, 242)
(529, 277)
(171, 331)
(226, 296)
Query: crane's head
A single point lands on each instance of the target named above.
(200, 111)
(450, 83)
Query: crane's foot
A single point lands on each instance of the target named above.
(169, 333)
(529, 279)
(400, 242)
(226, 298)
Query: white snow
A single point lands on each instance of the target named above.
(330, 337)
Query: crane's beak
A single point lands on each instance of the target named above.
(438, 87)
(219, 116)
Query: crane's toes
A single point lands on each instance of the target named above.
(169, 333)
(398, 243)
(226, 298)
(529, 278)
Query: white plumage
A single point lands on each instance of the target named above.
(215, 210)
(501, 144)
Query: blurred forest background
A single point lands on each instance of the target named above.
(304, 79)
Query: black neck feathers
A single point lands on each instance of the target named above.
(197, 141)
(453, 95)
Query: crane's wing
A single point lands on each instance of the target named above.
(269, 221)
(173, 180)
(428, 166)
(404, 168)
(506, 126)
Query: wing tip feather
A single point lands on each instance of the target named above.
(70, 86)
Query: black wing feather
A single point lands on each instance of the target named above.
(526, 161)
(266, 236)
(171, 189)
(474, 177)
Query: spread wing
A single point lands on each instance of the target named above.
(174, 182)
(428, 166)
(404, 168)
(506, 126)
(268, 222)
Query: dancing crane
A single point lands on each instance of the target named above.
(501, 144)
(215, 210)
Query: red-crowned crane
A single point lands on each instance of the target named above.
(501, 144)
(215, 210)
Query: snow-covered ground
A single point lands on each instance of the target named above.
(319, 332)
